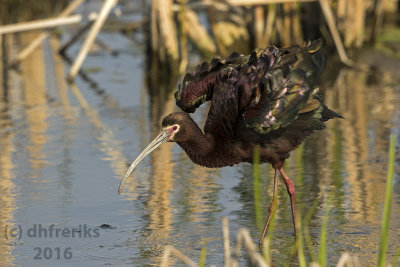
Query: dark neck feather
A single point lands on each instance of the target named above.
(198, 147)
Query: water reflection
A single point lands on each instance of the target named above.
(351, 158)
(7, 201)
(34, 87)
(160, 217)
(348, 160)
(175, 180)
(70, 169)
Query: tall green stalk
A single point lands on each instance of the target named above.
(300, 241)
(383, 244)
(203, 255)
(323, 234)
(256, 189)
(306, 229)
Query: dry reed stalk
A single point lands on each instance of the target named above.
(153, 27)
(164, 29)
(198, 34)
(279, 25)
(229, 30)
(354, 23)
(222, 6)
(259, 26)
(347, 260)
(39, 39)
(296, 24)
(40, 24)
(287, 24)
(243, 239)
(377, 26)
(183, 30)
(170, 250)
(269, 24)
(75, 37)
(168, 28)
(353, 14)
(105, 10)
(263, 2)
(348, 23)
(359, 22)
(341, 8)
(335, 33)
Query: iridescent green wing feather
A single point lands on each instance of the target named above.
(286, 87)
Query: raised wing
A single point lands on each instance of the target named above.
(238, 91)
(284, 90)
(197, 87)
(268, 89)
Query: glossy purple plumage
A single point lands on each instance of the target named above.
(266, 99)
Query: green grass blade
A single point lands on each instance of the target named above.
(383, 244)
(299, 241)
(396, 256)
(257, 189)
(323, 234)
(274, 210)
(203, 254)
(306, 230)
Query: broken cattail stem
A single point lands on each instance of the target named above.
(171, 250)
(105, 10)
(335, 33)
(40, 24)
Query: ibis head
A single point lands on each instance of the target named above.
(174, 129)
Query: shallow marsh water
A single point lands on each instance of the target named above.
(65, 147)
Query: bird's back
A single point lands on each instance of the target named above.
(267, 98)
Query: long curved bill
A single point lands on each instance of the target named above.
(159, 140)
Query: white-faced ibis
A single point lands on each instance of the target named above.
(266, 100)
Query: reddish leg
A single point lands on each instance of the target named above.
(291, 192)
(270, 209)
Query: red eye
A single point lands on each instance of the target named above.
(174, 127)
